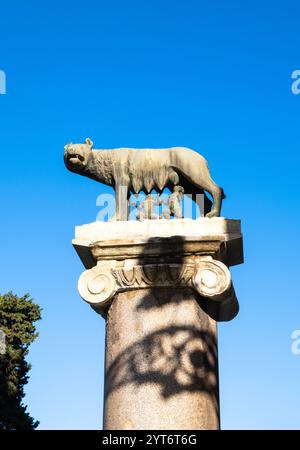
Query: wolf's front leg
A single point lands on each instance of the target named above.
(121, 201)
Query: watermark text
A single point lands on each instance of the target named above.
(296, 83)
(2, 82)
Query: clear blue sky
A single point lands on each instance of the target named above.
(213, 76)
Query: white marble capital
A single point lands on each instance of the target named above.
(124, 256)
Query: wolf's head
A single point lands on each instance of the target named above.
(76, 156)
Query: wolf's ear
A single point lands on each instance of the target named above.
(89, 142)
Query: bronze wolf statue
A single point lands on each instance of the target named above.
(135, 170)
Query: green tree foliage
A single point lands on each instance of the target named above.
(17, 317)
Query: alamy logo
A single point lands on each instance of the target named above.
(295, 336)
(192, 206)
(2, 82)
(296, 83)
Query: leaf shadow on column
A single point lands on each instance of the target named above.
(176, 358)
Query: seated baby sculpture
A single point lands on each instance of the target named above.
(146, 208)
(174, 208)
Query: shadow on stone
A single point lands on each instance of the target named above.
(173, 253)
(176, 359)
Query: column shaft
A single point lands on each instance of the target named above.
(161, 362)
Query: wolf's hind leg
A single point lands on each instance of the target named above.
(217, 194)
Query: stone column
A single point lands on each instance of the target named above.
(161, 297)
